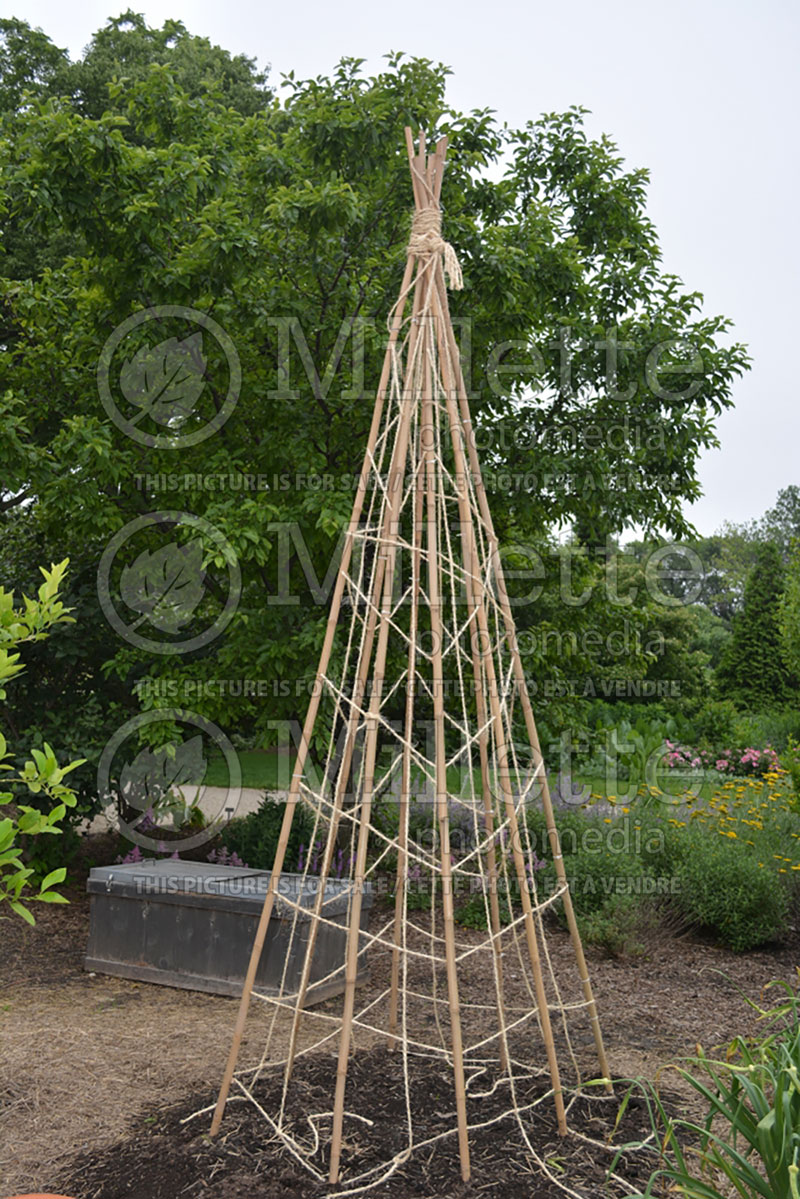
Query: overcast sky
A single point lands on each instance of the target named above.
(704, 94)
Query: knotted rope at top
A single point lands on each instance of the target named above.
(426, 241)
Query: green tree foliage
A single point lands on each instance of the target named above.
(729, 555)
(752, 671)
(781, 523)
(70, 664)
(790, 613)
(679, 666)
(29, 64)
(166, 192)
(121, 54)
(582, 623)
(127, 48)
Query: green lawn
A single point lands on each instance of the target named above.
(272, 771)
(260, 768)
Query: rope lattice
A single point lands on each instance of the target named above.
(423, 728)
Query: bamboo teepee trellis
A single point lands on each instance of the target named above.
(420, 603)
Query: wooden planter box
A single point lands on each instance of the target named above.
(192, 924)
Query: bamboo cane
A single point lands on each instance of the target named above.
(402, 858)
(470, 570)
(441, 773)
(405, 792)
(430, 304)
(420, 174)
(480, 701)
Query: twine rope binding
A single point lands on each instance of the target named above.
(426, 242)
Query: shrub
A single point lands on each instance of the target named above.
(571, 827)
(41, 777)
(610, 877)
(636, 751)
(791, 763)
(598, 876)
(723, 888)
(775, 726)
(601, 714)
(728, 864)
(618, 926)
(715, 723)
(747, 761)
(255, 837)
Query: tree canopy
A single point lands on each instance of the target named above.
(124, 49)
(159, 171)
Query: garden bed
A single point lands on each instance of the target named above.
(175, 1158)
(97, 1070)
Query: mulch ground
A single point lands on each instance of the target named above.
(98, 1073)
(172, 1158)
